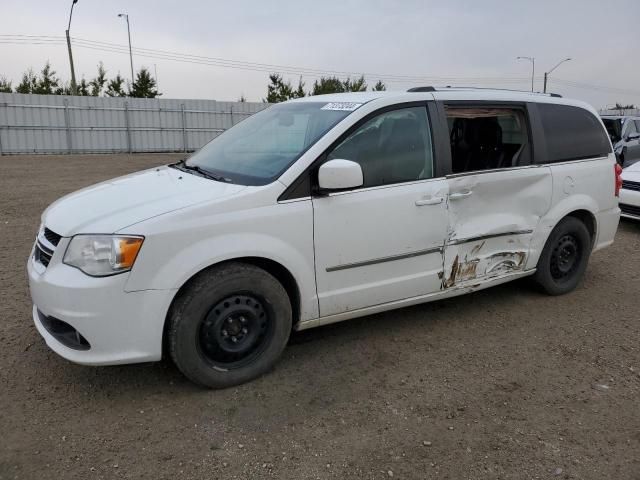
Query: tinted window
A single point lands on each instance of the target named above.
(257, 150)
(392, 147)
(572, 133)
(614, 128)
(485, 138)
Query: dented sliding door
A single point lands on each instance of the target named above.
(492, 217)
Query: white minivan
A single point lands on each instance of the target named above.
(319, 210)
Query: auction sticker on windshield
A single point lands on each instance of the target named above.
(341, 106)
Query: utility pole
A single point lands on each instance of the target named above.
(130, 54)
(155, 71)
(74, 87)
(546, 74)
(533, 67)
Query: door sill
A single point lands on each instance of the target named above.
(441, 294)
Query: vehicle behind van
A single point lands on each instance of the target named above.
(624, 132)
(319, 210)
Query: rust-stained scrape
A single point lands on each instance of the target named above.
(479, 267)
(449, 282)
(505, 261)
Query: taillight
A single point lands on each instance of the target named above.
(618, 176)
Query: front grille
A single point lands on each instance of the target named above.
(46, 244)
(53, 237)
(63, 332)
(42, 255)
(630, 209)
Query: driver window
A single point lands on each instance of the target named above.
(392, 147)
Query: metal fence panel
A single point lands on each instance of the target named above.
(633, 112)
(70, 124)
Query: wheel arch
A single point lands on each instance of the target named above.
(589, 220)
(579, 206)
(279, 272)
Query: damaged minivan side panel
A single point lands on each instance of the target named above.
(490, 228)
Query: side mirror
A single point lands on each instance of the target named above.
(339, 174)
(633, 136)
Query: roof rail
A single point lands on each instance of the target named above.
(434, 89)
(422, 89)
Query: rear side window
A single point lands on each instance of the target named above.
(487, 138)
(572, 133)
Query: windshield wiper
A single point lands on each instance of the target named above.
(182, 165)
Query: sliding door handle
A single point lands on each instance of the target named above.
(459, 195)
(429, 201)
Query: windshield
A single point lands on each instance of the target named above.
(259, 149)
(614, 128)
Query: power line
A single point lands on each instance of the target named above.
(307, 72)
(281, 67)
(600, 88)
(251, 66)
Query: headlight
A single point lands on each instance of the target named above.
(102, 255)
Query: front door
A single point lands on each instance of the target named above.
(384, 241)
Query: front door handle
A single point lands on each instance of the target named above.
(429, 201)
(459, 195)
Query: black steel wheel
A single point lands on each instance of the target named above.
(229, 325)
(564, 258)
(234, 332)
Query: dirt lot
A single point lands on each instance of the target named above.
(504, 383)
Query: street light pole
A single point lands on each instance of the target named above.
(533, 67)
(546, 74)
(130, 54)
(74, 87)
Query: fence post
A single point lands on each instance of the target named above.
(1, 129)
(126, 124)
(231, 112)
(184, 128)
(67, 124)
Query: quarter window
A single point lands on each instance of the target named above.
(392, 147)
(572, 133)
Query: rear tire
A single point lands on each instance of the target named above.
(229, 325)
(565, 256)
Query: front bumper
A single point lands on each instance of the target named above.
(630, 203)
(120, 327)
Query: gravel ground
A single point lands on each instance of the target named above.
(505, 383)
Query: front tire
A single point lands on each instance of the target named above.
(229, 325)
(565, 256)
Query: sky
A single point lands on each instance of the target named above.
(405, 43)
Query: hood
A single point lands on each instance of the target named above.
(632, 172)
(112, 205)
